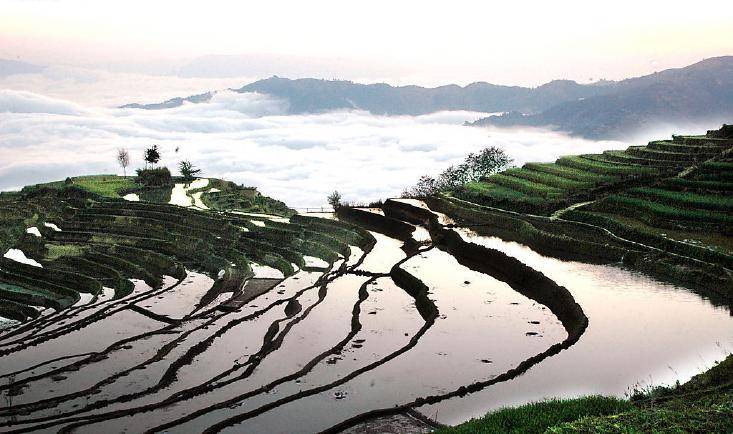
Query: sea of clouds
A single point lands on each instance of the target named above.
(250, 139)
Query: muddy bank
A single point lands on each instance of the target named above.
(523, 279)
(402, 423)
(383, 224)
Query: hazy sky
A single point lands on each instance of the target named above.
(513, 42)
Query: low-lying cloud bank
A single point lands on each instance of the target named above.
(247, 138)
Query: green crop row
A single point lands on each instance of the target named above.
(505, 198)
(718, 165)
(684, 199)
(525, 186)
(547, 179)
(698, 185)
(614, 158)
(618, 157)
(650, 238)
(551, 240)
(604, 168)
(666, 145)
(636, 205)
(656, 154)
(568, 172)
(494, 191)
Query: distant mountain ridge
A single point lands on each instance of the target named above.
(699, 93)
(702, 92)
(310, 95)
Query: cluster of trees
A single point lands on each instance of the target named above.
(476, 165)
(154, 174)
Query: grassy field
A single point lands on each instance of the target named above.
(703, 405)
(103, 185)
(539, 416)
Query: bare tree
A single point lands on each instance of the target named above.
(123, 157)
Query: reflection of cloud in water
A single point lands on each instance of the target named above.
(246, 138)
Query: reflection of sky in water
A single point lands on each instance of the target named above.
(642, 332)
(245, 138)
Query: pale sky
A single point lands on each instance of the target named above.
(424, 42)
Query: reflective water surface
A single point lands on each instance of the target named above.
(312, 353)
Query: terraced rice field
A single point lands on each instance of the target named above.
(390, 324)
(204, 307)
(543, 188)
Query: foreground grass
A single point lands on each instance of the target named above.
(539, 416)
(103, 185)
(702, 405)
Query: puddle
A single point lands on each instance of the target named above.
(180, 196)
(384, 254)
(183, 299)
(197, 202)
(84, 299)
(5, 322)
(312, 261)
(266, 272)
(17, 255)
(272, 217)
(52, 226)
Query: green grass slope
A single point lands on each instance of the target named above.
(702, 405)
(665, 208)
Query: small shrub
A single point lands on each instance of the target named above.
(154, 177)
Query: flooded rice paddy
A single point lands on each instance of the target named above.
(323, 347)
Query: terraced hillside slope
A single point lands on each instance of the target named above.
(70, 245)
(665, 208)
(143, 316)
(206, 307)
